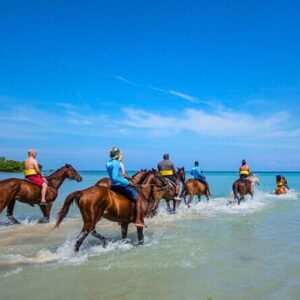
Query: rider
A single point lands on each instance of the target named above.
(285, 182)
(122, 186)
(281, 182)
(197, 173)
(166, 169)
(32, 172)
(244, 170)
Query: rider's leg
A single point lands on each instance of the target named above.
(43, 192)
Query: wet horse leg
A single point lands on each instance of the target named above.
(100, 237)
(199, 197)
(190, 200)
(140, 234)
(10, 212)
(174, 206)
(80, 239)
(46, 213)
(168, 207)
(124, 230)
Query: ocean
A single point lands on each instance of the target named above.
(210, 251)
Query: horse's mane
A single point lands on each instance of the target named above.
(55, 172)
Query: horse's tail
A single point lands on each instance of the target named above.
(65, 208)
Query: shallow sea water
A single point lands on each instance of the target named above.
(251, 251)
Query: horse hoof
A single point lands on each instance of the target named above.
(43, 220)
(141, 242)
(104, 243)
(13, 220)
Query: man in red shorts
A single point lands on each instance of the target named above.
(32, 172)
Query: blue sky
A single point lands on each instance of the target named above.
(216, 81)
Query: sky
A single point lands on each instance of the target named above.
(215, 81)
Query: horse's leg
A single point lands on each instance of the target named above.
(80, 239)
(46, 213)
(100, 237)
(168, 207)
(10, 212)
(199, 197)
(174, 206)
(190, 200)
(124, 230)
(140, 234)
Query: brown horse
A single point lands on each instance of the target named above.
(242, 187)
(166, 190)
(192, 188)
(99, 201)
(25, 191)
(137, 178)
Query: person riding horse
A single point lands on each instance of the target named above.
(244, 170)
(197, 173)
(167, 170)
(121, 185)
(32, 173)
(281, 185)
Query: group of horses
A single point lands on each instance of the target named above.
(99, 201)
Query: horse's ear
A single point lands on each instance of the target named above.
(183, 168)
(67, 165)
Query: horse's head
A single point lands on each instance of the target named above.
(181, 174)
(72, 174)
(254, 179)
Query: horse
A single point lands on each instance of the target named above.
(193, 187)
(135, 179)
(242, 187)
(23, 190)
(167, 189)
(99, 201)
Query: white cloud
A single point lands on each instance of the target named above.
(219, 123)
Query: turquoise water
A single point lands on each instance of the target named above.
(211, 250)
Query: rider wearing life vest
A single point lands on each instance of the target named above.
(166, 169)
(281, 182)
(197, 173)
(32, 173)
(122, 186)
(244, 170)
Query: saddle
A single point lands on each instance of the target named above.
(167, 182)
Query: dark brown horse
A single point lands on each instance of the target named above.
(192, 188)
(137, 178)
(166, 190)
(99, 201)
(27, 192)
(242, 187)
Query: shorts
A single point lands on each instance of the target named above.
(127, 191)
(36, 179)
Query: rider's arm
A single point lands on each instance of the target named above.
(36, 166)
(173, 169)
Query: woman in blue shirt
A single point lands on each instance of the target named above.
(121, 185)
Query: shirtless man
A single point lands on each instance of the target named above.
(32, 173)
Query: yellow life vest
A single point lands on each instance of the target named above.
(29, 172)
(166, 172)
(244, 172)
(280, 183)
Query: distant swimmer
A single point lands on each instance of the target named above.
(166, 169)
(33, 173)
(198, 175)
(121, 185)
